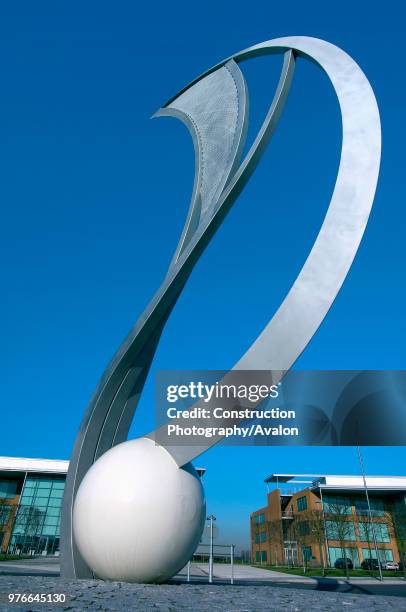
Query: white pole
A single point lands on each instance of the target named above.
(188, 571)
(232, 564)
(211, 552)
(372, 525)
(211, 518)
(325, 529)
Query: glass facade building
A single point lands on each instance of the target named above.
(37, 523)
(31, 493)
(329, 519)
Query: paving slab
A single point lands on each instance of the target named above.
(119, 596)
(254, 589)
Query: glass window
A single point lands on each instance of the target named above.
(42, 494)
(361, 506)
(31, 481)
(21, 514)
(262, 536)
(260, 518)
(336, 552)
(53, 511)
(366, 532)
(257, 556)
(28, 490)
(264, 555)
(337, 504)
(376, 505)
(8, 488)
(385, 554)
(382, 532)
(301, 504)
(45, 487)
(4, 514)
(340, 530)
(58, 484)
(304, 528)
(57, 493)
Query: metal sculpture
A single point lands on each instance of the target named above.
(214, 107)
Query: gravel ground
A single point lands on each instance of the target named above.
(120, 596)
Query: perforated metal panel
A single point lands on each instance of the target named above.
(215, 111)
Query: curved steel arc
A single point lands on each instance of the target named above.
(314, 290)
(110, 411)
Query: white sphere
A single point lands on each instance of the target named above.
(137, 516)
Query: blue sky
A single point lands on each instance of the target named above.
(94, 195)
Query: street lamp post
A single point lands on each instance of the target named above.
(371, 523)
(328, 559)
(211, 518)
